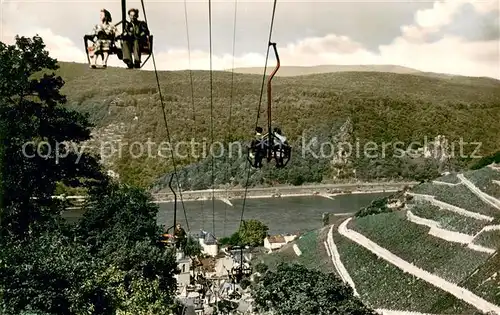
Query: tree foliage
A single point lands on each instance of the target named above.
(37, 132)
(251, 232)
(487, 160)
(111, 262)
(295, 290)
(193, 247)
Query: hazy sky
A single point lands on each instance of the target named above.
(458, 36)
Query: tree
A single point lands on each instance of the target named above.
(233, 240)
(253, 232)
(118, 214)
(486, 160)
(119, 227)
(295, 290)
(112, 261)
(39, 137)
(193, 247)
(224, 307)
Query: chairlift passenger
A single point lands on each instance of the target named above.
(135, 36)
(278, 134)
(103, 37)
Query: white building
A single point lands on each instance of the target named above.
(277, 241)
(184, 265)
(208, 244)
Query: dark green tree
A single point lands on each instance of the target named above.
(119, 227)
(224, 307)
(53, 275)
(193, 247)
(295, 290)
(111, 262)
(38, 139)
(253, 232)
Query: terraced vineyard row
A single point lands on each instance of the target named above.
(412, 243)
(483, 179)
(490, 239)
(450, 178)
(383, 285)
(459, 196)
(449, 220)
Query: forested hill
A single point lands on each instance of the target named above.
(344, 106)
(306, 70)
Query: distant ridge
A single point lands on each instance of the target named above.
(288, 71)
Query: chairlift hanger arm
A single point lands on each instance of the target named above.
(269, 94)
(124, 15)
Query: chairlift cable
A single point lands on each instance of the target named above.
(232, 68)
(258, 110)
(265, 65)
(165, 121)
(228, 130)
(211, 112)
(190, 70)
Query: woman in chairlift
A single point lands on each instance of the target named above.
(105, 33)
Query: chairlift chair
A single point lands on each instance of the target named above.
(270, 146)
(146, 46)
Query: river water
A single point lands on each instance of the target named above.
(281, 215)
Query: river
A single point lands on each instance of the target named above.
(281, 215)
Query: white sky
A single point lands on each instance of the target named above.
(457, 37)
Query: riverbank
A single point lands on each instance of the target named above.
(325, 190)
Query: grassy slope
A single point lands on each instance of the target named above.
(377, 103)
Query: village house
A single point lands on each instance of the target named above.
(209, 245)
(184, 264)
(275, 242)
